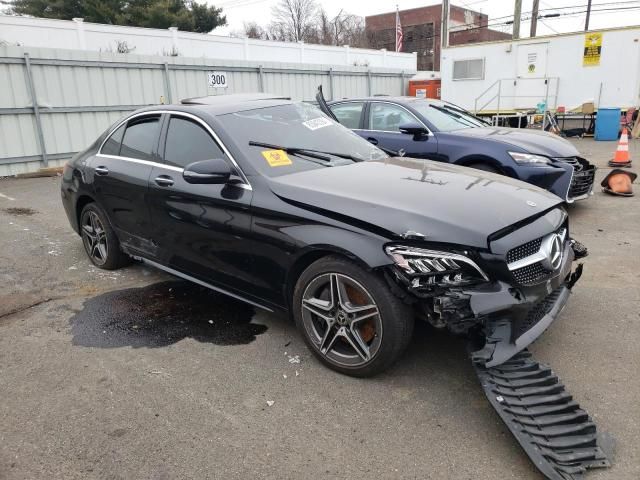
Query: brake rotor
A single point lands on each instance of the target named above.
(367, 329)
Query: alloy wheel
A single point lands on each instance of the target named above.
(342, 319)
(94, 238)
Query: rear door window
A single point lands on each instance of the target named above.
(141, 138)
(348, 114)
(112, 145)
(188, 142)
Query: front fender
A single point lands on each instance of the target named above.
(463, 150)
(316, 238)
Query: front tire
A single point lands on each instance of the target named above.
(100, 241)
(349, 317)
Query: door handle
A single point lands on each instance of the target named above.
(372, 140)
(102, 170)
(164, 180)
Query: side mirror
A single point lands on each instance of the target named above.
(415, 129)
(216, 171)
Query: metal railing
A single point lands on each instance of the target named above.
(499, 96)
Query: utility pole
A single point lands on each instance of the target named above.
(586, 22)
(444, 33)
(517, 13)
(534, 17)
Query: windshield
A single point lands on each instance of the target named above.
(295, 128)
(446, 118)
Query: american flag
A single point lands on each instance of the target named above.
(398, 32)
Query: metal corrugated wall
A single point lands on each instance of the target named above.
(79, 94)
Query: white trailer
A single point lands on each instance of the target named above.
(567, 70)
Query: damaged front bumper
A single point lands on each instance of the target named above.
(515, 318)
(506, 336)
(503, 318)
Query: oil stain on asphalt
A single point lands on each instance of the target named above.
(19, 211)
(163, 314)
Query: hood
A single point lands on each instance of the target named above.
(532, 141)
(445, 203)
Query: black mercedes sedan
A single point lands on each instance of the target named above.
(271, 202)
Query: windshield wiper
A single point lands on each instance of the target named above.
(467, 115)
(455, 115)
(309, 152)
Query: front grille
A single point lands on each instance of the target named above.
(536, 314)
(573, 161)
(535, 272)
(581, 183)
(583, 176)
(524, 250)
(531, 274)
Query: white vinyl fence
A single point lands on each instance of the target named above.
(80, 35)
(54, 103)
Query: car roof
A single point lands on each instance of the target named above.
(388, 98)
(237, 102)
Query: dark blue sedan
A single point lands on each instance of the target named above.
(437, 130)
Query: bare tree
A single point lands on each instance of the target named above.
(123, 47)
(253, 30)
(324, 28)
(294, 19)
(349, 29)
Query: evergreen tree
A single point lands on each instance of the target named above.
(187, 15)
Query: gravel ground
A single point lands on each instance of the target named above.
(132, 374)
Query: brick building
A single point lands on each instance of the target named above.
(421, 31)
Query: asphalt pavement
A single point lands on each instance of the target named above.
(136, 375)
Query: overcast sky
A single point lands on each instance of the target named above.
(240, 11)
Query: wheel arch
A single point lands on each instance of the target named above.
(311, 255)
(480, 158)
(83, 200)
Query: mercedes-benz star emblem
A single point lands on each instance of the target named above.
(551, 248)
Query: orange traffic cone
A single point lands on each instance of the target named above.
(621, 158)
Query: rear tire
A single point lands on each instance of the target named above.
(100, 241)
(349, 317)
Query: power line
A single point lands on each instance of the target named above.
(546, 16)
(468, 3)
(603, 4)
(548, 26)
(474, 24)
(610, 10)
(509, 22)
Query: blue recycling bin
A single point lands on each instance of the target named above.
(607, 124)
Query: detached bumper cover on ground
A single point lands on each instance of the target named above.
(559, 437)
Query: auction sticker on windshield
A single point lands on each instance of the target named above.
(316, 123)
(276, 158)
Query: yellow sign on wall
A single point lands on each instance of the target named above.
(592, 49)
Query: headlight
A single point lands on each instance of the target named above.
(430, 267)
(529, 158)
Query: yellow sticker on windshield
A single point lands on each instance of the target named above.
(276, 158)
